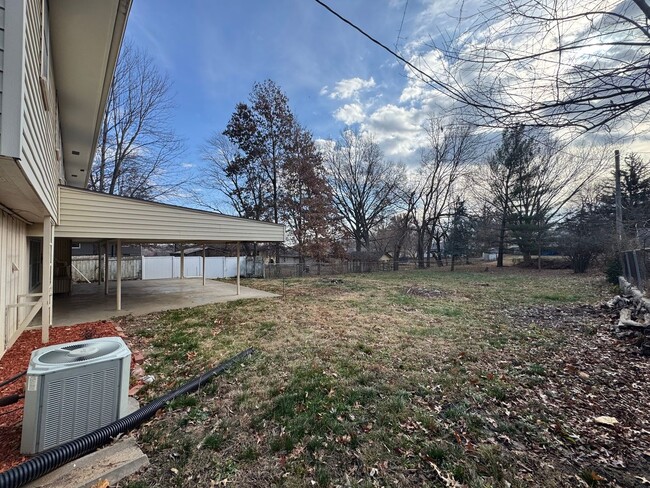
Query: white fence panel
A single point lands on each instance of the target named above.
(214, 267)
(230, 267)
(193, 266)
(166, 267)
(156, 267)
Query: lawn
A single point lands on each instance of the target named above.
(425, 378)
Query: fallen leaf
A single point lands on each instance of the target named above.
(101, 484)
(605, 420)
(174, 470)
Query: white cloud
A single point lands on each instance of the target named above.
(397, 130)
(187, 165)
(350, 113)
(351, 87)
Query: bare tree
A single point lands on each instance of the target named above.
(556, 63)
(243, 185)
(449, 148)
(530, 180)
(363, 185)
(137, 152)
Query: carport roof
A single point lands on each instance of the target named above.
(96, 216)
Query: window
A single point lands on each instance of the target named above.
(35, 263)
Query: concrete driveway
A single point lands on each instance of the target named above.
(88, 303)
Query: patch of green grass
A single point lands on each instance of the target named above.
(136, 484)
(250, 453)
(214, 441)
(265, 328)
(323, 476)
(183, 401)
(536, 369)
(445, 311)
(281, 443)
(364, 348)
(176, 345)
(498, 391)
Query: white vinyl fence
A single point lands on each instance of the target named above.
(86, 268)
(164, 267)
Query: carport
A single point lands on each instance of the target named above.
(88, 303)
(108, 219)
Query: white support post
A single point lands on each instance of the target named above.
(238, 272)
(48, 278)
(118, 274)
(106, 268)
(182, 263)
(203, 265)
(99, 263)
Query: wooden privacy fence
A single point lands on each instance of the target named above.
(88, 268)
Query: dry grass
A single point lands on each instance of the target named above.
(398, 379)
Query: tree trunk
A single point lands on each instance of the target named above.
(453, 261)
(396, 253)
(420, 250)
(502, 240)
(439, 251)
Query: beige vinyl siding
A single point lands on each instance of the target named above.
(2, 55)
(89, 215)
(14, 273)
(40, 125)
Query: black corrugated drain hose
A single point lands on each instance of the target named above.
(49, 460)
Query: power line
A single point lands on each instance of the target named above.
(434, 81)
(453, 93)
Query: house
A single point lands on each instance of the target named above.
(83, 248)
(56, 65)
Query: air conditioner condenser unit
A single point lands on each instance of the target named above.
(73, 389)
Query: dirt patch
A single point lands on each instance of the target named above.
(420, 291)
(16, 360)
(569, 316)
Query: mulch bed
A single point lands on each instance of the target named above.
(16, 360)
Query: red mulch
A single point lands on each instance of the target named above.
(15, 361)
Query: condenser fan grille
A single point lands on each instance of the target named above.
(78, 352)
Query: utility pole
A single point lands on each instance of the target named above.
(619, 207)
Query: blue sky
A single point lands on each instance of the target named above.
(214, 51)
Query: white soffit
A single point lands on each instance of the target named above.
(85, 40)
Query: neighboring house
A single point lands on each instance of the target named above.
(369, 257)
(210, 251)
(57, 60)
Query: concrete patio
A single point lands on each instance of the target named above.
(87, 301)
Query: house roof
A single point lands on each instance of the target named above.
(87, 215)
(85, 41)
